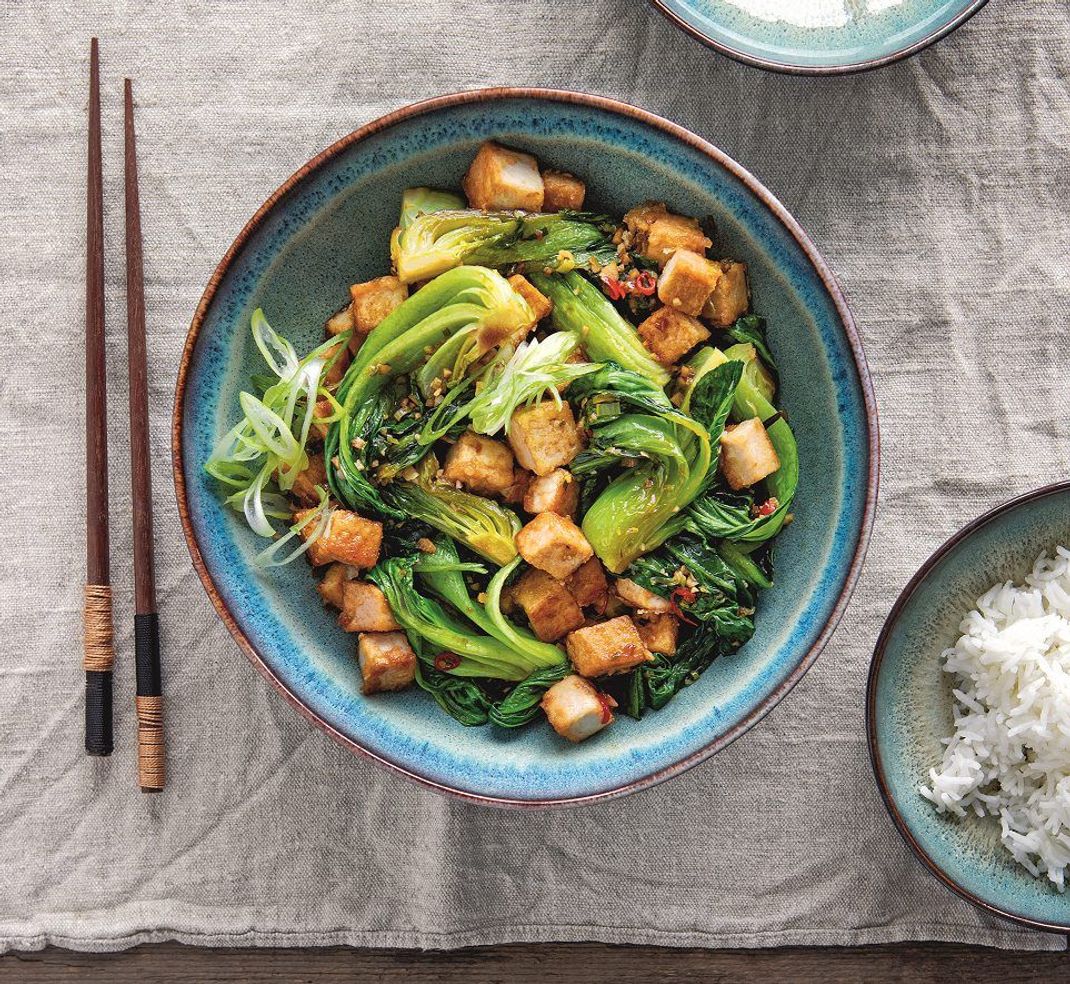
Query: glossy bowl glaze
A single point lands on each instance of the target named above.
(909, 704)
(327, 227)
(818, 37)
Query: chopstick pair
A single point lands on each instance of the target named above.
(99, 645)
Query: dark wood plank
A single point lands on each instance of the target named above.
(538, 964)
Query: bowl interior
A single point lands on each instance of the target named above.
(911, 705)
(332, 229)
(819, 34)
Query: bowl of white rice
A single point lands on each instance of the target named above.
(968, 711)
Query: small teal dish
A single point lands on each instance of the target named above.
(909, 704)
(328, 226)
(818, 37)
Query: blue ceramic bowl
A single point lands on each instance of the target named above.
(909, 704)
(327, 227)
(817, 37)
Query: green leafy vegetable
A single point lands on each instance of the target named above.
(423, 201)
(437, 241)
(464, 300)
(521, 704)
(582, 308)
(461, 699)
(479, 523)
(751, 329)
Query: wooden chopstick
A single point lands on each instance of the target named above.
(149, 701)
(99, 651)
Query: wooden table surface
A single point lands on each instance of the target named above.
(170, 963)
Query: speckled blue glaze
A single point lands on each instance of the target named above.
(332, 229)
(795, 41)
(910, 704)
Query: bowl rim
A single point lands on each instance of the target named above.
(468, 97)
(877, 661)
(795, 68)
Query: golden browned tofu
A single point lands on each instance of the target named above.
(500, 178)
(659, 633)
(669, 233)
(332, 587)
(747, 454)
(670, 334)
(687, 281)
(516, 492)
(636, 596)
(373, 300)
(642, 217)
(606, 648)
(588, 585)
(553, 544)
(544, 436)
(349, 539)
(575, 708)
(365, 609)
(562, 191)
(539, 303)
(339, 322)
(304, 487)
(333, 376)
(322, 408)
(550, 609)
(730, 298)
(557, 492)
(387, 661)
(481, 464)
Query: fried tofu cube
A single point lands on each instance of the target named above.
(501, 179)
(669, 233)
(304, 487)
(557, 492)
(373, 300)
(606, 648)
(365, 609)
(687, 281)
(562, 191)
(550, 608)
(642, 217)
(636, 596)
(350, 539)
(588, 585)
(575, 708)
(387, 661)
(333, 584)
(659, 633)
(340, 321)
(480, 464)
(322, 409)
(544, 436)
(516, 492)
(670, 334)
(333, 376)
(747, 454)
(730, 298)
(553, 544)
(537, 300)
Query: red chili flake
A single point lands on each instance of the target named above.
(646, 283)
(447, 661)
(687, 596)
(615, 290)
(608, 703)
(767, 508)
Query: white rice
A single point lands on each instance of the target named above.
(1010, 754)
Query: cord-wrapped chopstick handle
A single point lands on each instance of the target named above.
(151, 751)
(98, 661)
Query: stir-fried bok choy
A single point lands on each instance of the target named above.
(546, 481)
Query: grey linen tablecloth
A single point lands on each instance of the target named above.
(938, 191)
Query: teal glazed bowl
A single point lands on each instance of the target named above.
(909, 706)
(328, 226)
(818, 37)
